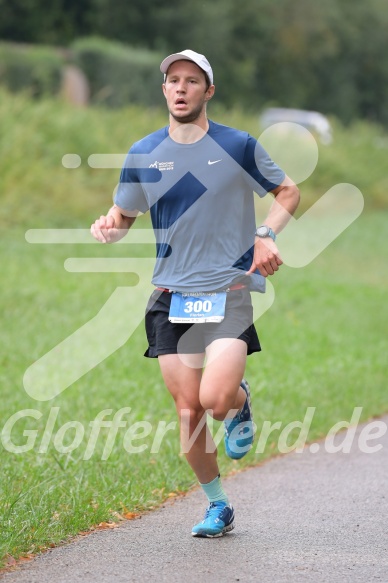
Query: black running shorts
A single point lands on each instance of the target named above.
(167, 338)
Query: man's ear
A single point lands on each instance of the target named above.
(210, 92)
(164, 89)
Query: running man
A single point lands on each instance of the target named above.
(198, 180)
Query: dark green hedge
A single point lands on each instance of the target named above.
(33, 68)
(119, 74)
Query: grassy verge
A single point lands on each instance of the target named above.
(324, 346)
(324, 342)
(36, 190)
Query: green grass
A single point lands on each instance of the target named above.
(324, 339)
(36, 190)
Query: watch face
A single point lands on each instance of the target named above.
(262, 231)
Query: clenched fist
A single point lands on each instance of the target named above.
(105, 231)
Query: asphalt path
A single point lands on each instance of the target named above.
(312, 516)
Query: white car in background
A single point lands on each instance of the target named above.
(313, 121)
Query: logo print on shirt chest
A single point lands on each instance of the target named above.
(162, 165)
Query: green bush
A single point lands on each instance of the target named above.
(119, 75)
(37, 69)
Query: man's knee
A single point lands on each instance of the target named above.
(191, 420)
(219, 405)
(190, 410)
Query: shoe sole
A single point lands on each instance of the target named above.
(239, 455)
(251, 410)
(249, 405)
(223, 531)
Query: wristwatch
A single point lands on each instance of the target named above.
(264, 231)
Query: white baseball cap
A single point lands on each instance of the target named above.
(188, 55)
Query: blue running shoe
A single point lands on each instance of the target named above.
(219, 519)
(240, 431)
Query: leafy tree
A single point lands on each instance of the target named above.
(329, 56)
(37, 21)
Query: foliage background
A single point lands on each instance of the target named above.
(330, 56)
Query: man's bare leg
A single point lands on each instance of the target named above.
(220, 388)
(183, 382)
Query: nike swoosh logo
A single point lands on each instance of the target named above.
(214, 161)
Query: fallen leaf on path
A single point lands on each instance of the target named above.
(104, 525)
(130, 515)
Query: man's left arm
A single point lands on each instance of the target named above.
(266, 257)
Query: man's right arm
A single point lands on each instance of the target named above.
(113, 226)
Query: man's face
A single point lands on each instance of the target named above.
(185, 91)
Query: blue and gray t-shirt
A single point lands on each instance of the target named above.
(200, 197)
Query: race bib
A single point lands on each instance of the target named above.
(197, 308)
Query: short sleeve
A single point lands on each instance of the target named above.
(130, 195)
(262, 174)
